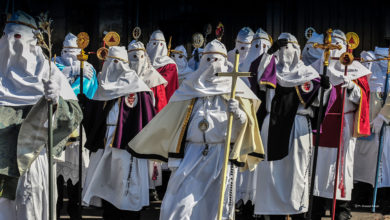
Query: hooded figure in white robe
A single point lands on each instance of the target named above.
(25, 77)
(367, 147)
(309, 53)
(243, 44)
(166, 66)
(246, 181)
(140, 62)
(327, 152)
(122, 105)
(179, 55)
(68, 162)
(191, 132)
(283, 180)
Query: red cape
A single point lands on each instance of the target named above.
(160, 97)
(169, 72)
(331, 126)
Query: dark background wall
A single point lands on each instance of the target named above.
(182, 18)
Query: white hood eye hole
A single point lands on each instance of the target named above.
(142, 56)
(307, 49)
(257, 46)
(135, 56)
(242, 48)
(17, 36)
(208, 59)
(65, 51)
(181, 56)
(161, 44)
(215, 59)
(154, 43)
(173, 55)
(116, 61)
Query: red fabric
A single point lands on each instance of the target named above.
(362, 117)
(169, 72)
(160, 97)
(331, 126)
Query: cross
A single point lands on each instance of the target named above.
(235, 74)
(327, 46)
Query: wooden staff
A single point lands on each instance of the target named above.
(235, 74)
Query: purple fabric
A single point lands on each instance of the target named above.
(132, 120)
(269, 75)
(332, 100)
(253, 79)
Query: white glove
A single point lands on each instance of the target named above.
(88, 72)
(348, 83)
(52, 88)
(234, 107)
(376, 124)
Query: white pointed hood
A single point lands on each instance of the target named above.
(243, 44)
(23, 65)
(204, 82)
(158, 51)
(117, 79)
(291, 71)
(179, 55)
(140, 62)
(336, 69)
(311, 54)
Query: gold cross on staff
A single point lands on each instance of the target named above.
(327, 46)
(235, 74)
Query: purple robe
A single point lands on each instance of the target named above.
(132, 120)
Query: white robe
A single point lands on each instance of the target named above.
(32, 196)
(108, 175)
(68, 162)
(366, 153)
(326, 163)
(283, 185)
(367, 149)
(247, 180)
(194, 187)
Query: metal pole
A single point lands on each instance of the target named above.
(81, 145)
(50, 160)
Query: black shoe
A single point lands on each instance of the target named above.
(153, 195)
(345, 215)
